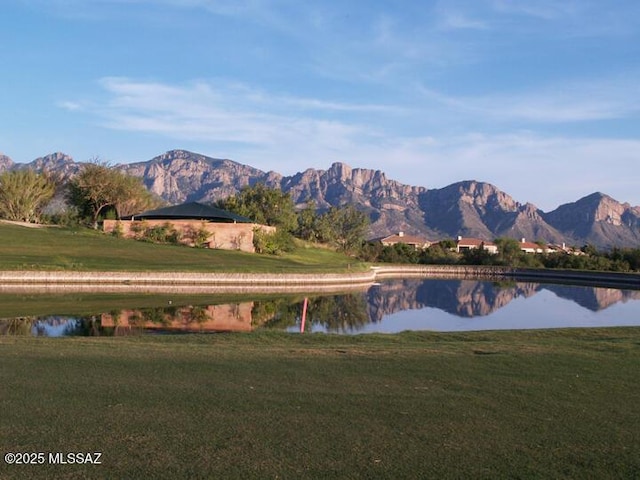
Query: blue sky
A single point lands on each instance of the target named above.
(539, 97)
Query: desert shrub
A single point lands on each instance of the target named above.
(117, 230)
(198, 236)
(165, 233)
(273, 243)
(138, 229)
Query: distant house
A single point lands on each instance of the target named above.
(530, 247)
(467, 243)
(400, 237)
(226, 230)
(563, 248)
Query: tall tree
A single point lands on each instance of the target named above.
(264, 205)
(344, 226)
(24, 193)
(98, 187)
(307, 228)
(92, 190)
(509, 251)
(132, 196)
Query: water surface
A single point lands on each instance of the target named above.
(390, 307)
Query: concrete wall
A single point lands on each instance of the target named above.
(225, 236)
(186, 282)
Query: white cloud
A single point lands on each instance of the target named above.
(71, 106)
(277, 130)
(542, 9)
(201, 110)
(572, 101)
(460, 21)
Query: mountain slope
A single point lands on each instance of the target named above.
(478, 209)
(392, 206)
(598, 219)
(180, 176)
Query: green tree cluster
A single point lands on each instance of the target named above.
(24, 194)
(98, 188)
(268, 206)
(343, 227)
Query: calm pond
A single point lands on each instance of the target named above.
(389, 307)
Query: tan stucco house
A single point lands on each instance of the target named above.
(400, 237)
(468, 243)
(531, 247)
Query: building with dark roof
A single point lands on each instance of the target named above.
(191, 211)
(194, 224)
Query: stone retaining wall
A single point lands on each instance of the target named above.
(615, 279)
(225, 236)
(440, 271)
(183, 282)
(273, 282)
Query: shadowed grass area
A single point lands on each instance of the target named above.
(84, 250)
(528, 404)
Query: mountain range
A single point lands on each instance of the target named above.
(471, 298)
(468, 208)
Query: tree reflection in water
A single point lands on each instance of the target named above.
(17, 326)
(53, 325)
(334, 313)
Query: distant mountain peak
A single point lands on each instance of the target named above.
(53, 160)
(598, 219)
(5, 162)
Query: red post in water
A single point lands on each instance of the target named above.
(304, 314)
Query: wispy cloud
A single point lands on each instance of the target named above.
(459, 21)
(452, 15)
(210, 102)
(564, 102)
(260, 11)
(70, 106)
(542, 9)
(245, 121)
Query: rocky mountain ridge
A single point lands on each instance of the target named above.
(468, 208)
(471, 298)
(5, 162)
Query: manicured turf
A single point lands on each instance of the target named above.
(24, 248)
(529, 404)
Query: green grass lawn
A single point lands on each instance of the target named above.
(24, 248)
(530, 404)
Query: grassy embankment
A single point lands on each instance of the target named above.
(85, 250)
(560, 404)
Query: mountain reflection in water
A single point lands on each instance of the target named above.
(392, 306)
